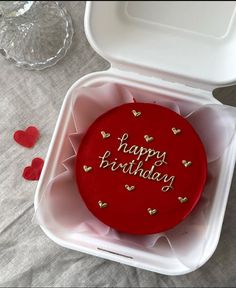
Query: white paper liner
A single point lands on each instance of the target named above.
(63, 211)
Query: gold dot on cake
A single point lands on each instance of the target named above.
(87, 168)
(183, 199)
(129, 188)
(186, 163)
(102, 204)
(176, 130)
(152, 211)
(105, 135)
(148, 138)
(136, 113)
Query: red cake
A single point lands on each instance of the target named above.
(141, 168)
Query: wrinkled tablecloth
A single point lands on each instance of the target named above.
(27, 256)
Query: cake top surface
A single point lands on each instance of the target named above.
(141, 168)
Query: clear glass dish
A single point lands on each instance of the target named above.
(34, 34)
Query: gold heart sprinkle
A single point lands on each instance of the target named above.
(152, 211)
(136, 113)
(87, 168)
(148, 138)
(102, 204)
(129, 188)
(176, 131)
(105, 135)
(186, 163)
(183, 200)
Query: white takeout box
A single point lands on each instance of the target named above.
(180, 50)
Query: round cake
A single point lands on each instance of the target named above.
(141, 168)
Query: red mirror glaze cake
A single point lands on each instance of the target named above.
(141, 168)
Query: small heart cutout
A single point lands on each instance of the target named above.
(102, 204)
(33, 172)
(152, 211)
(136, 113)
(176, 131)
(182, 199)
(129, 188)
(148, 138)
(87, 168)
(186, 163)
(105, 135)
(27, 138)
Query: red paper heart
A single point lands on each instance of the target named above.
(27, 138)
(33, 172)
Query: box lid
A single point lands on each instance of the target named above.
(188, 42)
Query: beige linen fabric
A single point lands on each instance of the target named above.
(27, 256)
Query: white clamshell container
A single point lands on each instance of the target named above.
(179, 50)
